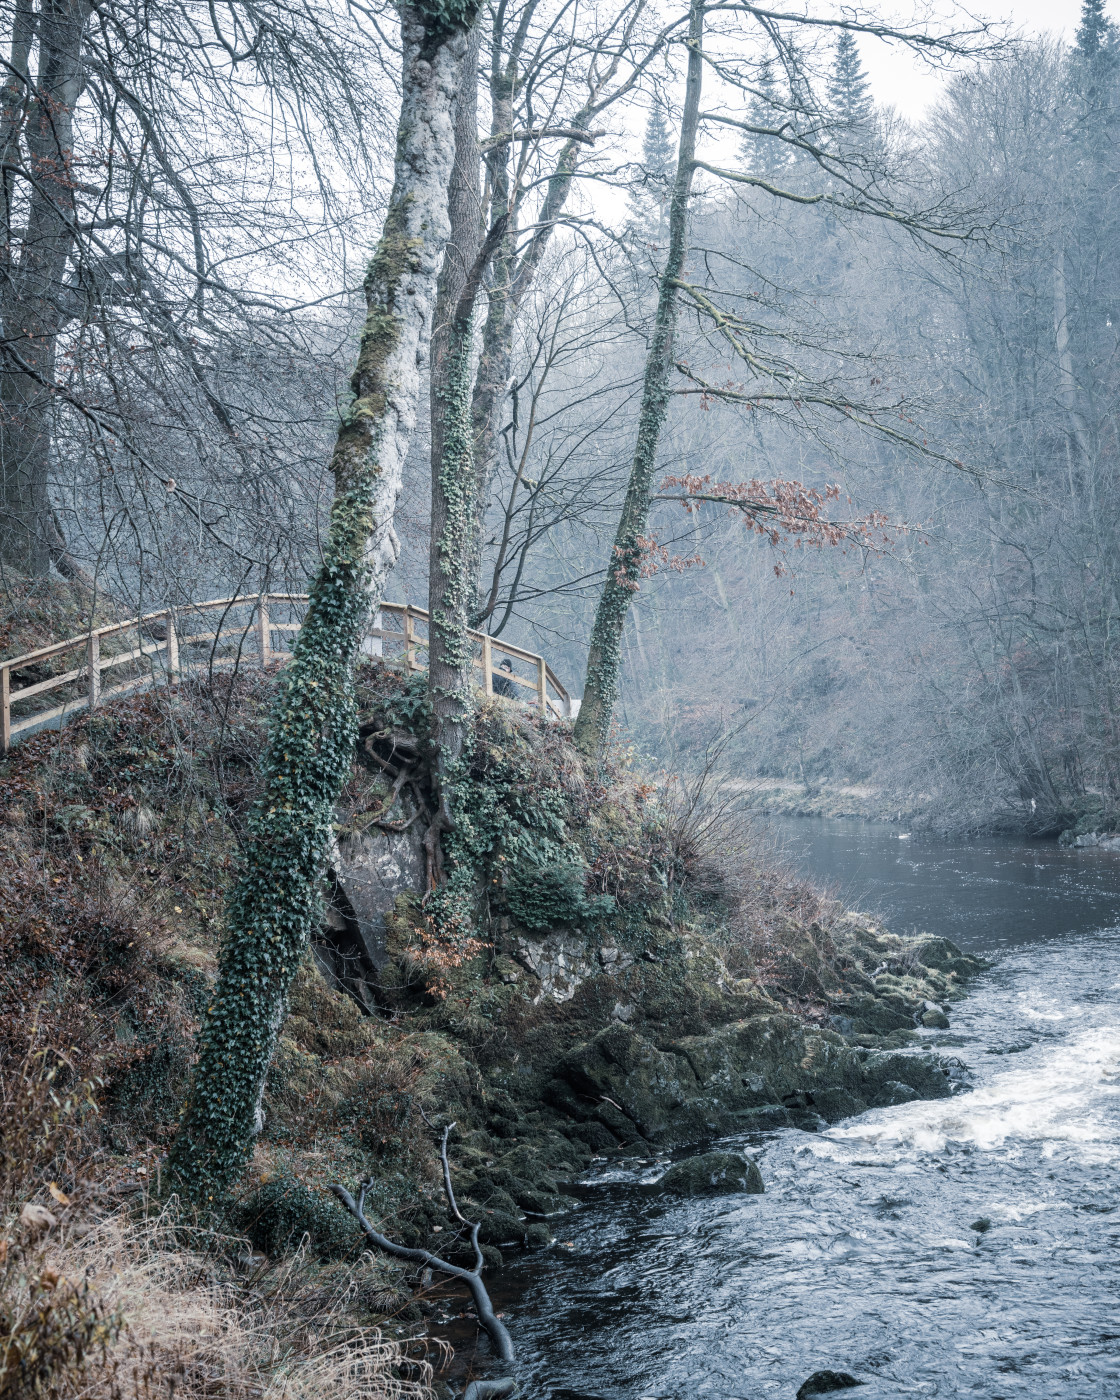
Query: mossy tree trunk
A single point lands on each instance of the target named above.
(277, 900)
(625, 562)
(449, 657)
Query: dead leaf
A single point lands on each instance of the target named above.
(37, 1218)
(60, 1196)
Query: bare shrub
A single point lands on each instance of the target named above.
(729, 867)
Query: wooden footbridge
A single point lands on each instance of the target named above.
(161, 647)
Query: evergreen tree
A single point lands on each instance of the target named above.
(649, 202)
(657, 148)
(1096, 35)
(766, 156)
(849, 92)
(650, 196)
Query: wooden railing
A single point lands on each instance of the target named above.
(161, 646)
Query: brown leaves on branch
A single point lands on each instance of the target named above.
(652, 558)
(784, 512)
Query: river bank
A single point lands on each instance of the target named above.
(640, 980)
(959, 1247)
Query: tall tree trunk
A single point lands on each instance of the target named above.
(1077, 436)
(513, 278)
(449, 659)
(624, 564)
(33, 301)
(277, 901)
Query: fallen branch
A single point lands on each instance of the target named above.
(500, 1339)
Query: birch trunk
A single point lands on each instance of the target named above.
(278, 899)
(624, 565)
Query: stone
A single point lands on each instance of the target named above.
(706, 1086)
(371, 869)
(935, 1020)
(495, 1227)
(834, 1103)
(537, 1236)
(825, 1382)
(561, 962)
(893, 1093)
(926, 1076)
(713, 1174)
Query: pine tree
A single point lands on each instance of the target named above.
(650, 201)
(1096, 35)
(766, 156)
(849, 92)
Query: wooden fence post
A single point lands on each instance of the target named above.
(93, 666)
(5, 709)
(172, 648)
(487, 666)
(409, 645)
(264, 630)
(542, 685)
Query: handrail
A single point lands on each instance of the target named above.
(150, 645)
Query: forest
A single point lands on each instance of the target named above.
(636, 344)
(919, 316)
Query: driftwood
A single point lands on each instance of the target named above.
(500, 1340)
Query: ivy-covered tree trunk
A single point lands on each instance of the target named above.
(449, 658)
(277, 900)
(625, 563)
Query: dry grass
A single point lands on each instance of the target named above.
(102, 1302)
(191, 1330)
(123, 1310)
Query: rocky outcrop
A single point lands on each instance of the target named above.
(763, 1072)
(1098, 840)
(369, 870)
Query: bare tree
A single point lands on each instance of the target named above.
(150, 253)
(853, 183)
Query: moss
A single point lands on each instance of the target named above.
(278, 1215)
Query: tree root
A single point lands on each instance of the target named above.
(489, 1390)
(500, 1340)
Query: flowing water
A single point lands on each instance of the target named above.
(966, 1247)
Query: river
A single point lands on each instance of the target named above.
(966, 1247)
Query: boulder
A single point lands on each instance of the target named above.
(825, 1382)
(893, 1093)
(713, 1174)
(834, 1103)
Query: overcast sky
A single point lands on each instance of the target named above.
(912, 87)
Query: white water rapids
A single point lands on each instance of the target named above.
(964, 1247)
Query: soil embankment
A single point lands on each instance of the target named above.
(634, 978)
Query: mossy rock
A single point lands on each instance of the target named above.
(282, 1211)
(834, 1103)
(713, 1174)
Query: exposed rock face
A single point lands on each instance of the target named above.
(559, 961)
(1102, 840)
(755, 1073)
(713, 1174)
(368, 872)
